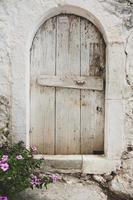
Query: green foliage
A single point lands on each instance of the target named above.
(18, 170)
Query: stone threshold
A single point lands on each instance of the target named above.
(89, 164)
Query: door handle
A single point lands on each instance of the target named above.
(80, 82)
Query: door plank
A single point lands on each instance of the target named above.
(99, 122)
(43, 98)
(92, 120)
(77, 82)
(68, 100)
(96, 60)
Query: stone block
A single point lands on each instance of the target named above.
(99, 165)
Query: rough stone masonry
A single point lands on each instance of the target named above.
(117, 185)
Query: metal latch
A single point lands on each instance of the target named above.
(80, 82)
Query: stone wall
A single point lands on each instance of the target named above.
(124, 10)
(4, 120)
(122, 183)
(11, 12)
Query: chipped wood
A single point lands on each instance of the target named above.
(67, 91)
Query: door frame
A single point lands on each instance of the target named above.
(111, 29)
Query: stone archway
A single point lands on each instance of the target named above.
(111, 29)
(68, 87)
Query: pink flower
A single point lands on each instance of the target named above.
(34, 148)
(35, 181)
(19, 157)
(53, 178)
(4, 158)
(3, 198)
(4, 166)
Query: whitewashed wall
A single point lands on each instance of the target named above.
(18, 23)
(124, 10)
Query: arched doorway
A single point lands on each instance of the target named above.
(68, 87)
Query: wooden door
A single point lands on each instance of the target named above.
(67, 87)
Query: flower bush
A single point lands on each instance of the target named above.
(19, 170)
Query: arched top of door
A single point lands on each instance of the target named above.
(110, 27)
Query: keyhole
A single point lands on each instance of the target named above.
(99, 109)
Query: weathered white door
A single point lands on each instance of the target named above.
(67, 87)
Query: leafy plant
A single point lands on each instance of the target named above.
(19, 170)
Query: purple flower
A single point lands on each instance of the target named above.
(34, 148)
(53, 178)
(4, 158)
(3, 198)
(19, 157)
(35, 181)
(4, 166)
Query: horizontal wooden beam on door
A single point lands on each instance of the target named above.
(75, 82)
